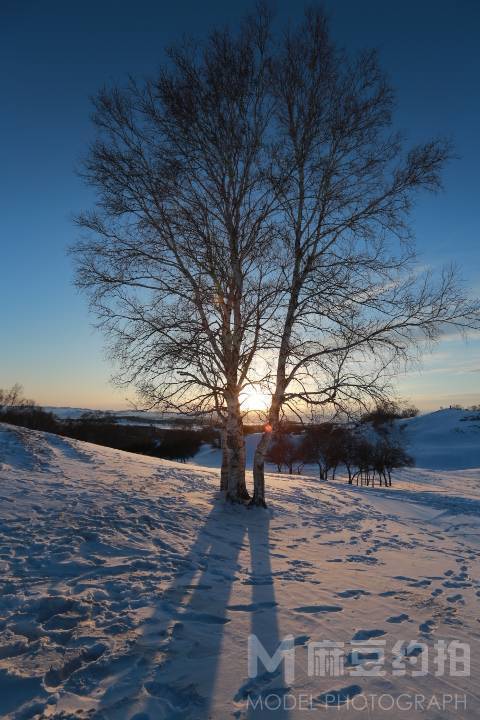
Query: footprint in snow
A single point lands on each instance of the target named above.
(318, 608)
(256, 581)
(352, 593)
(50, 606)
(254, 686)
(356, 657)
(362, 559)
(398, 618)
(392, 593)
(361, 635)
(456, 599)
(200, 586)
(413, 650)
(301, 640)
(427, 627)
(456, 584)
(176, 698)
(420, 583)
(405, 578)
(57, 675)
(191, 616)
(252, 607)
(337, 697)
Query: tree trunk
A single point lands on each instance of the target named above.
(225, 462)
(259, 470)
(236, 490)
(261, 452)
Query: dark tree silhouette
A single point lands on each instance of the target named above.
(14, 398)
(251, 226)
(355, 305)
(286, 451)
(328, 446)
(177, 253)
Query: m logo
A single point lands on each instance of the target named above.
(285, 651)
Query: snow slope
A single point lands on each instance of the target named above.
(444, 440)
(128, 588)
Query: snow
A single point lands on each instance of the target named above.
(211, 457)
(128, 589)
(444, 440)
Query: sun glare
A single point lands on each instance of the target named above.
(254, 399)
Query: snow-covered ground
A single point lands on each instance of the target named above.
(444, 440)
(128, 589)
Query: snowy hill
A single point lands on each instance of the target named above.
(129, 589)
(444, 440)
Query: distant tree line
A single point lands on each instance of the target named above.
(101, 429)
(331, 445)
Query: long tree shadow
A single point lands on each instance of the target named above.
(173, 667)
(264, 623)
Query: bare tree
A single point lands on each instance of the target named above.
(13, 398)
(177, 253)
(251, 226)
(285, 450)
(354, 305)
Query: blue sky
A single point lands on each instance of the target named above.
(55, 55)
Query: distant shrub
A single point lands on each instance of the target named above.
(101, 428)
(285, 452)
(324, 445)
(13, 398)
(331, 445)
(179, 444)
(409, 412)
(210, 435)
(388, 411)
(30, 416)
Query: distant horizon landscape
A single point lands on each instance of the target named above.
(464, 401)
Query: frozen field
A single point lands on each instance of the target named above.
(128, 589)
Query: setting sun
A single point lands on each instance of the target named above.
(253, 398)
